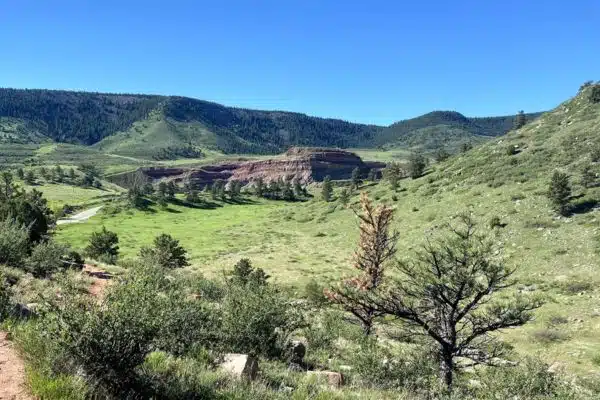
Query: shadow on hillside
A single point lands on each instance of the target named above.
(584, 206)
(240, 200)
(203, 205)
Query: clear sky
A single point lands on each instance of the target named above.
(361, 60)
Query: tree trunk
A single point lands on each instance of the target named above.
(446, 369)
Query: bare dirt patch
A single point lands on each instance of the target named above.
(12, 372)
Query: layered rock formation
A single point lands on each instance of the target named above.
(304, 164)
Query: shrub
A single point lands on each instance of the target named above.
(595, 154)
(595, 94)
(109, 340)
(549, 335)
(416, 165)
(103, 246)
(46, 258)
(511, 150)
(495, 222)
(245, 274)
(166, 252)
(14, 243)
(257, 320)
(5, 303)
(313, 291)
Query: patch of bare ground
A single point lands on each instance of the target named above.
(12, 372)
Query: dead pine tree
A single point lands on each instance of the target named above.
(376, 247)
(448, 295)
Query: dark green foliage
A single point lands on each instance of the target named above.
(7, 186)
(162, 189)
(46, 259)
(511, 150)
(393, 173)
(287, 193)
(595, 94)
(235, 189)
(5, 303)
(257, 319)
(110, 339)
(441, 154)
(72, 175)
(440, 293)
(14, 243)
(166, 252)
(192, 196)
(588, 177)
(30, 177)
(245, 274)
(299, 191)
(465, 147)
(28, 209)
(73, 260)
(495, 222)
(416, 165)
(175, 152)
(372, 176)
(326, 189)
(20, 173)
(218, 189)
(148, 189)
(135, 197)
(344, 197)
(559, 192)
(103, 246)
(313, 291)
(171, 189)
(59, 174)
(520, 120)
(356, 178)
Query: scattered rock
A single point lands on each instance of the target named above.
(334, 379)
(555, 367)
(240, 365)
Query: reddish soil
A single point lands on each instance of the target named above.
(100, 280)
(12, 372)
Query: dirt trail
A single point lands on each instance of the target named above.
(101, 279)
(12, 372)
(81, 217)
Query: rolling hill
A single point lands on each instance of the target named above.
(150, 126)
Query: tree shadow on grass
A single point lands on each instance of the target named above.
(583, 206)
(203, 205)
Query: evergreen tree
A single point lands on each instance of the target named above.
(393, 173)
(326, 189)
(259, 187)
(441, 154)
(588, 177)
(287, 192)
(20, 173)
(30, 177)
(298, 190)
(162, 189)
(416, 165)
(235, 189)
(274, 189)
(8, 187)
(166, 252)
(171, 189)
(103, 246)
(372, 177)
(520, 120)
(356, 181)
(72, 174)
(59, 174)
(559, 192)
(344, 197)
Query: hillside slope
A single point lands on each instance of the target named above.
(144, 125)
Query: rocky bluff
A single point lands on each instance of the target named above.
(305, 164)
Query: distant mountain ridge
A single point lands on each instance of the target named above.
(138, 124)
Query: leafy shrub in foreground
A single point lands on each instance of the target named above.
(46, 258)
(14, 243)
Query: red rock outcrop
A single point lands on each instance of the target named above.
(305, 164)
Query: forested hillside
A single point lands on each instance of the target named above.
(187, 126)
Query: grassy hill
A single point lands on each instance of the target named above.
(556, 257)
(150, 127)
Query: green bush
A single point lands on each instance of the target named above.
(5, 302)
(257, 319)
(313, 291)
(14, 243)
(495, 222)
(103, 246)
(46, 258)
(166, 252)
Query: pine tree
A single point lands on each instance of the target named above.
(520, 120)
(376, 248)
(259, 187)
(344, 197)
(588, 177)
(356, 178)
(559, 192)
(30, 177)
(72, 175)
(326, 189)
(20, 174)
(392, 173)
(298, 191)
(372, 177)
(171, 189)
(287, 192)
(416, 165)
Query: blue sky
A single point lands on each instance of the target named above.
(367, 61)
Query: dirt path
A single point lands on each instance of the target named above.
(12, 372)
(81, 217)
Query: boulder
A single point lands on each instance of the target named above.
(240, 365)
(334, 379)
